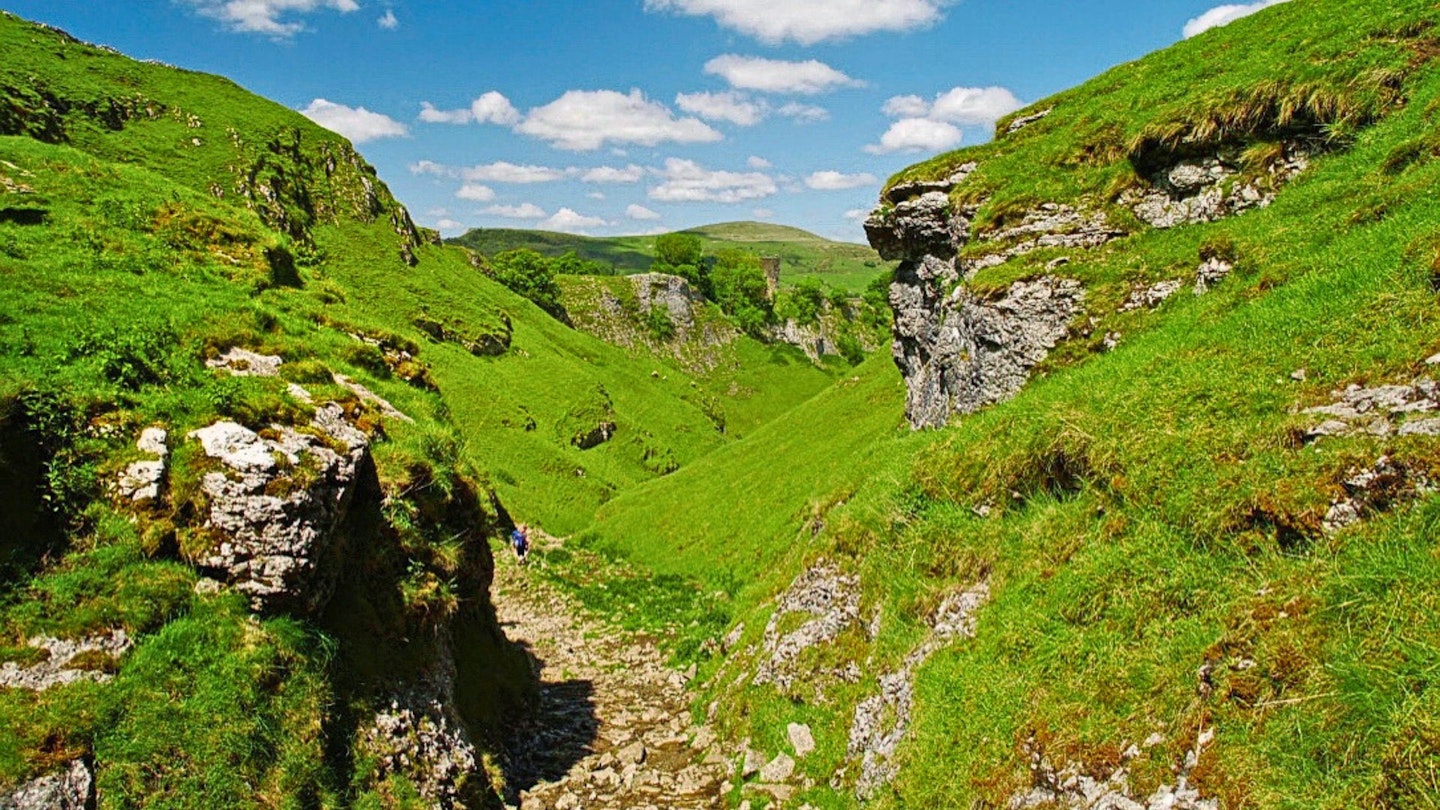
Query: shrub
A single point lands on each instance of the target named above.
(659, 325)
(529, 274)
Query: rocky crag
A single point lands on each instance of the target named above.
(961, 350)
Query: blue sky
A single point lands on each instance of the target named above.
(633, 116)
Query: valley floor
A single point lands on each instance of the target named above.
(614, 728)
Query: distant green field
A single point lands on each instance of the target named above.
(839, 264)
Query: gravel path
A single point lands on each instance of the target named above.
(614, 726)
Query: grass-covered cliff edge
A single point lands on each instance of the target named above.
(1169, 539)
(1136, 562)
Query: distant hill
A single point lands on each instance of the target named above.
(840, 264)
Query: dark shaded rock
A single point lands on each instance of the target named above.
(923, 226)
(961, 354)
(596, 436)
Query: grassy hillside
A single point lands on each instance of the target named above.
(840, 264)
(152, 218)
(1148, 520)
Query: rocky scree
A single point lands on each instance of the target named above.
(882, 721)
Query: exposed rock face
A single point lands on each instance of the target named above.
(1047, 226)
(1211, 272)
(917, 228)
(66, 661)
(594, 437)
(1071, 789)
(962, 353)
(957, 352)
(245, 363)
(882, 721)
(1201, 189)
(420, 735)
(275, 505)
(1025, 121)
(1373, 489)
(1151, 297)
(832, 600)
(142, 481)
(1384, 410)
(70, 789)
(813, 340)
(672, 293)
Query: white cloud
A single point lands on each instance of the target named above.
(503, 172)
(974, 106)
(356, 123)
(491, 108)
(497, 172)
(449, 225)
(835, 181)
(430, 115)
(906, 107)
(584, 120)
(804, 113)
(389, 22)
(610, 174)
(494, 108)
(857, 215)
(809, 21)
(267, 16)
(569, 221)
(688, 181)
(1224, 15)
(777, 76)
(640, 212)
(525, 211)
(476, 193)
(966, 106)
(763, 213)
(757, 162)
(917, 135)
(737, 108)
(931, 126)
(431, 167)
(596, 195)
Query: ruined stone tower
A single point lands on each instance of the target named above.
(771, 266)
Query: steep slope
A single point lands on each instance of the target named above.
(1176, 546)
(257, 433)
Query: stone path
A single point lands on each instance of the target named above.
(614, 727)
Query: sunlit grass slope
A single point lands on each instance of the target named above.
(1147, 519)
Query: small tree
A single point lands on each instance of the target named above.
(679, 249)
(529, 274)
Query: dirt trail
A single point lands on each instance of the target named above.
(614, 726)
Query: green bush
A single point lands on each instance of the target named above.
(529, 274)
(659, 324)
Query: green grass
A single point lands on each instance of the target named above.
(1149, 509)
(135, 255)
(1137, 512)
(842, 265)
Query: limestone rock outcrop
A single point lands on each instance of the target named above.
(420, 735)
(71, 788)
(957, 351)
(275, 503)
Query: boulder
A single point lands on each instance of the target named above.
(71, 788)
(275, 504)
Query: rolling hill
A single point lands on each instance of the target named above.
(840, 264)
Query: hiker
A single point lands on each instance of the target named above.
(520, 542)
